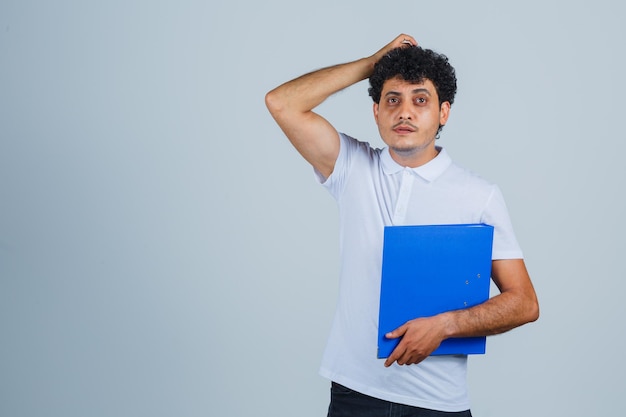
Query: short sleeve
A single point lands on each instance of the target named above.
(505, 245)
(337, 179)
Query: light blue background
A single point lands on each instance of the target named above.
(165, 252)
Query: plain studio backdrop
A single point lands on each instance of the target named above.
(165, 252)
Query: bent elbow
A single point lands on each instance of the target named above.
(533, 311)
(273, 103)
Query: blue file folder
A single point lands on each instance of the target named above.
(431, 269)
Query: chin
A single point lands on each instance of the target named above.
(406, 151)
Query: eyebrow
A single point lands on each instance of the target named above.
(416, 91)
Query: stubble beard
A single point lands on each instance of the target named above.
(408, 152)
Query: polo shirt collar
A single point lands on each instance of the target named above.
(429, 171)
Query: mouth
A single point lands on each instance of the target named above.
(404, 128)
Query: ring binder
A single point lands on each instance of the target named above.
(431, 269)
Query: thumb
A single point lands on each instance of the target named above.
(399, 332)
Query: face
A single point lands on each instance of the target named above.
(408, 117)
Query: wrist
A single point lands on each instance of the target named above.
(449, 324)
(366, 66)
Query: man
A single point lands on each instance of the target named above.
(410, 181)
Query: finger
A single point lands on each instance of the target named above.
(391, 335)
(399, 332)
(407, 40)
(395, 355)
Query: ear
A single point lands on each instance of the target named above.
(444, 113)
(375, 108)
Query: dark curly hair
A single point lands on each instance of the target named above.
(414, 64)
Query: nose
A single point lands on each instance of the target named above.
(406, 111)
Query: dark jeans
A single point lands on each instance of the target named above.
(347, 403)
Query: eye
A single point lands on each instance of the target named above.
(392, 100)
(421, 100)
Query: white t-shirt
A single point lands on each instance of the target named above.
(373, 191)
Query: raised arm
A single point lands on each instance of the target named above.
(291, 105)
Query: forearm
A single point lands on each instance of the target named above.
(497, 315)
(515, 305)
(421, 336)
(305, 93)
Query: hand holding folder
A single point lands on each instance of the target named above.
(428, 270)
